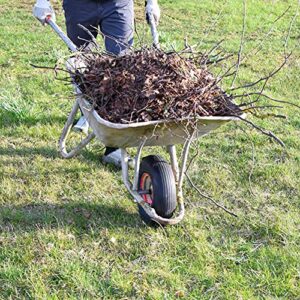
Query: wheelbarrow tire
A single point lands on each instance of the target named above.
(157, 173)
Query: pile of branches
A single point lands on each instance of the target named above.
(150, 84)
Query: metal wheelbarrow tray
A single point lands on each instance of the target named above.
(152, 133)
(156, 185)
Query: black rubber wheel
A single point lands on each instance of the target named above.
(157, 187)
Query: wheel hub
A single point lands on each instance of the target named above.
(146, 188)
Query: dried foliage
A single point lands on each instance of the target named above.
(150, 84)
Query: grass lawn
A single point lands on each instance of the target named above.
(68, 228)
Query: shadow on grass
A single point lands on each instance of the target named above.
(81, 217)
(92, 156)
(30, 151)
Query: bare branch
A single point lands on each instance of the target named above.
(209, 198)
(263, 95)
(93, 39)
(291, 26)
(274, 72)
(264, 131)
(228, 72)
(241, 44)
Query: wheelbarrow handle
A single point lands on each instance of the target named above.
(61, 34)
(154, 32)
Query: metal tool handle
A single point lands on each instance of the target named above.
(61, 34)
(154, 32)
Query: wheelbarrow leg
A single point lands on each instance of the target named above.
(132, 187)
(174, 161)
(65, 133)
(185, 154)
(125, 176)
(137, 166)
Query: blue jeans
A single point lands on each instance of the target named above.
(114, 18)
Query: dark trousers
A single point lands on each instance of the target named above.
(112, 18)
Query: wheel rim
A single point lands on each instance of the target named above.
(147, 188)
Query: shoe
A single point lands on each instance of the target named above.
(82, 125)
(115, 158)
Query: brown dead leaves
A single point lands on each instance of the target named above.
(150, 84)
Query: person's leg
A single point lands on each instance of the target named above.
(84, 12)
(117, 27)
(117, 24)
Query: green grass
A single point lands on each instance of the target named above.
(68, 228)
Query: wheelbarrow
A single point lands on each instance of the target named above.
(156, 185)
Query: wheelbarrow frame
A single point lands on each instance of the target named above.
(163, 133)
(131, 185)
